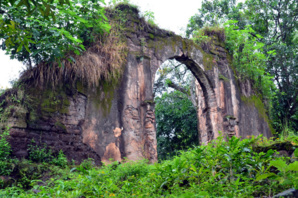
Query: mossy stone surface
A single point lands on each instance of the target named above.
(257, 102)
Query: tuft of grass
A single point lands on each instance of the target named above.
(204, 36)
(215, 30)
(103, 60)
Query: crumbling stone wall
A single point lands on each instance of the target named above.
(123, 125)
(55, 130)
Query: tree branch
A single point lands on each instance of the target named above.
(178, 88)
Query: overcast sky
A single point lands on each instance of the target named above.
(169, 14)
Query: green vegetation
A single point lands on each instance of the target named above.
(249, 59)
(229, 168)
(176, 124)
(37, 38)
(42, 163)
(175, 109)
(61, 42)
(262, 37)
(5, 148)
(5, 151)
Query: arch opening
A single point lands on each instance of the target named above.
(182, 94)
(175, 109)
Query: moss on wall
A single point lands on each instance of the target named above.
(222, 77)
(257, 102)
(12, 108)
(61, 126)
(36, 103)
(208, 61)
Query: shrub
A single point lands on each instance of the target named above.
(39, 154)
(60, 160)
(5, 148)
(7, 166)
(86, 165)
(220, 169)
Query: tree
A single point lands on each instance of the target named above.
(275, 21)
(175, 111)
(214, 13)
(176, 124)
(177, 76)
(45, 31)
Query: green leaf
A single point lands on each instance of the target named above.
(13, 25)
(41, 11)
(193, 168)
(20, 3)
(20, 48)
(264, 176)
(73, 60)
(292, 167)
(27, 48)
(279, 164)
(82, 47)
(77, 52)
(296, 153)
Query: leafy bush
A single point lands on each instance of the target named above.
(43, 154)
(220, 169)
(5, 148)
(176, 124)
(7, 166)
(36, 38)
(203, 36)
(86, 165)
(60, 160)
(39, 154)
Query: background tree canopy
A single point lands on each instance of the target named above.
(176, 124)
(272, 23)
(175, 109)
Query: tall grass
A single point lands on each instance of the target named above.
(103, 60)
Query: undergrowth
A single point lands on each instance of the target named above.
(41, 165)
(221, 169)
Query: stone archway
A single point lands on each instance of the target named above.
(221, 107)
(127, 128)
(138, 114)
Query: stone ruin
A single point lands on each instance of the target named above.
(122, 123)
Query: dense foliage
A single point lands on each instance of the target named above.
(221, 169)
(248, 57)
(175, 109)
(30, 35)
(176, 124)
(270, 30)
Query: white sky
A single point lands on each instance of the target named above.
(169, 14)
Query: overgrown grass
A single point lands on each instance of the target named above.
(203, 36)
(221, 169)
(103, 60)
(42, 164)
